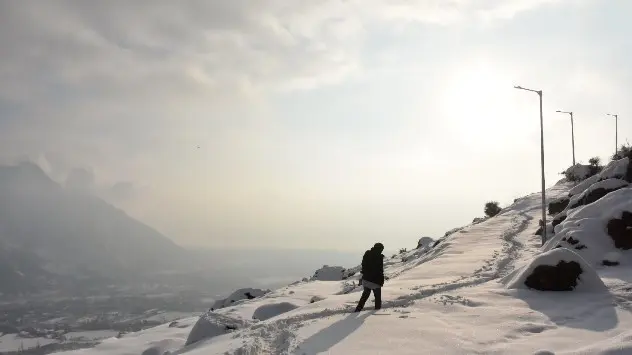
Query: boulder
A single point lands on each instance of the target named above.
(620, 230)
(559, 269)
(213, 324)
(596, 192)
(239, 295)
(329, 273)
(558, 205)
(271, 310)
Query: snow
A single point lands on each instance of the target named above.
(13, 342)
(425, 242)
(582, 186)
(615, 169)
(465, 295)
(329, 273)
(271, 310)
(91, 335)
(588, 280)
(607, 184)
(213, 324)
(587, 226)
(578, 170)
(239, 295)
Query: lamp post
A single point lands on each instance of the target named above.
(616, 132)
(572, 133)
(539, 92)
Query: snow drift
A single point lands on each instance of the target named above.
(213, 324)
(239, 295)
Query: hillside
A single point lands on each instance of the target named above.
(58, 235)
(486, 288)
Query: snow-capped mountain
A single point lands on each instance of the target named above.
(486, 288)
(49, 234)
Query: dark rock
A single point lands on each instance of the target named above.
(592, 196)
(249, 295)
(173, 324)
(609, 263)
(558, 206)
(558, 219)
(621, 232)
(561, 277)
(572, 241)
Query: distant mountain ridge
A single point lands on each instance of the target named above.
(49, 232)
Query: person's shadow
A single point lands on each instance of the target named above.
(326, 338)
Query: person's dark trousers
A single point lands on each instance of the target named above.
(377, 293)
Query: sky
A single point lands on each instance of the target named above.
(310, 124)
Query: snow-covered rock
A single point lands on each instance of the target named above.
(425, 242)
(617, 169)
(270, 310)
(596, 191)
(329, 273)
(239, 295)
(597, 229)
(558, 270)
(213, 324)
(579, 172)
(582, 186)
(558, 205)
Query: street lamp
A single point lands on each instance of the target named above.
(572, 133)
(616, 132)
(539, 92)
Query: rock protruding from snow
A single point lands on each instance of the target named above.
(558, 205)
(579, 172)
(596, 191)
(213, 324)
(425, 242)
(597, 229)
(611, 259)
(329, 273)
(239, 295)
(620, 230)
(271, 310)
(617, 169)
(559, 269)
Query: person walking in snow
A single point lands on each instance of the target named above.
(372, 276)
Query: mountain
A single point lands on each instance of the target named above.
(52, 233)
(490, 287)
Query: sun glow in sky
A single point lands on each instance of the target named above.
(329, 124)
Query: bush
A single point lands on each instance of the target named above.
(492, 208)
(594, 166)
(402, 250)
(624, 151)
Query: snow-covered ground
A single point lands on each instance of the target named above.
(466, 294)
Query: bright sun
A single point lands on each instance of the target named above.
(476, 101)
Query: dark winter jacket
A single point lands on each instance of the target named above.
(373, 266)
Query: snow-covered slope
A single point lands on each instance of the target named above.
(464, 294)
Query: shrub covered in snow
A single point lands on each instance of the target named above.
(239, 295)
(624, 152)
(492, 208)
(213, 324)
(270, 310)
(580, 172)
(559, 269)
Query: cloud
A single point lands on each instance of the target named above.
(131, 89)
